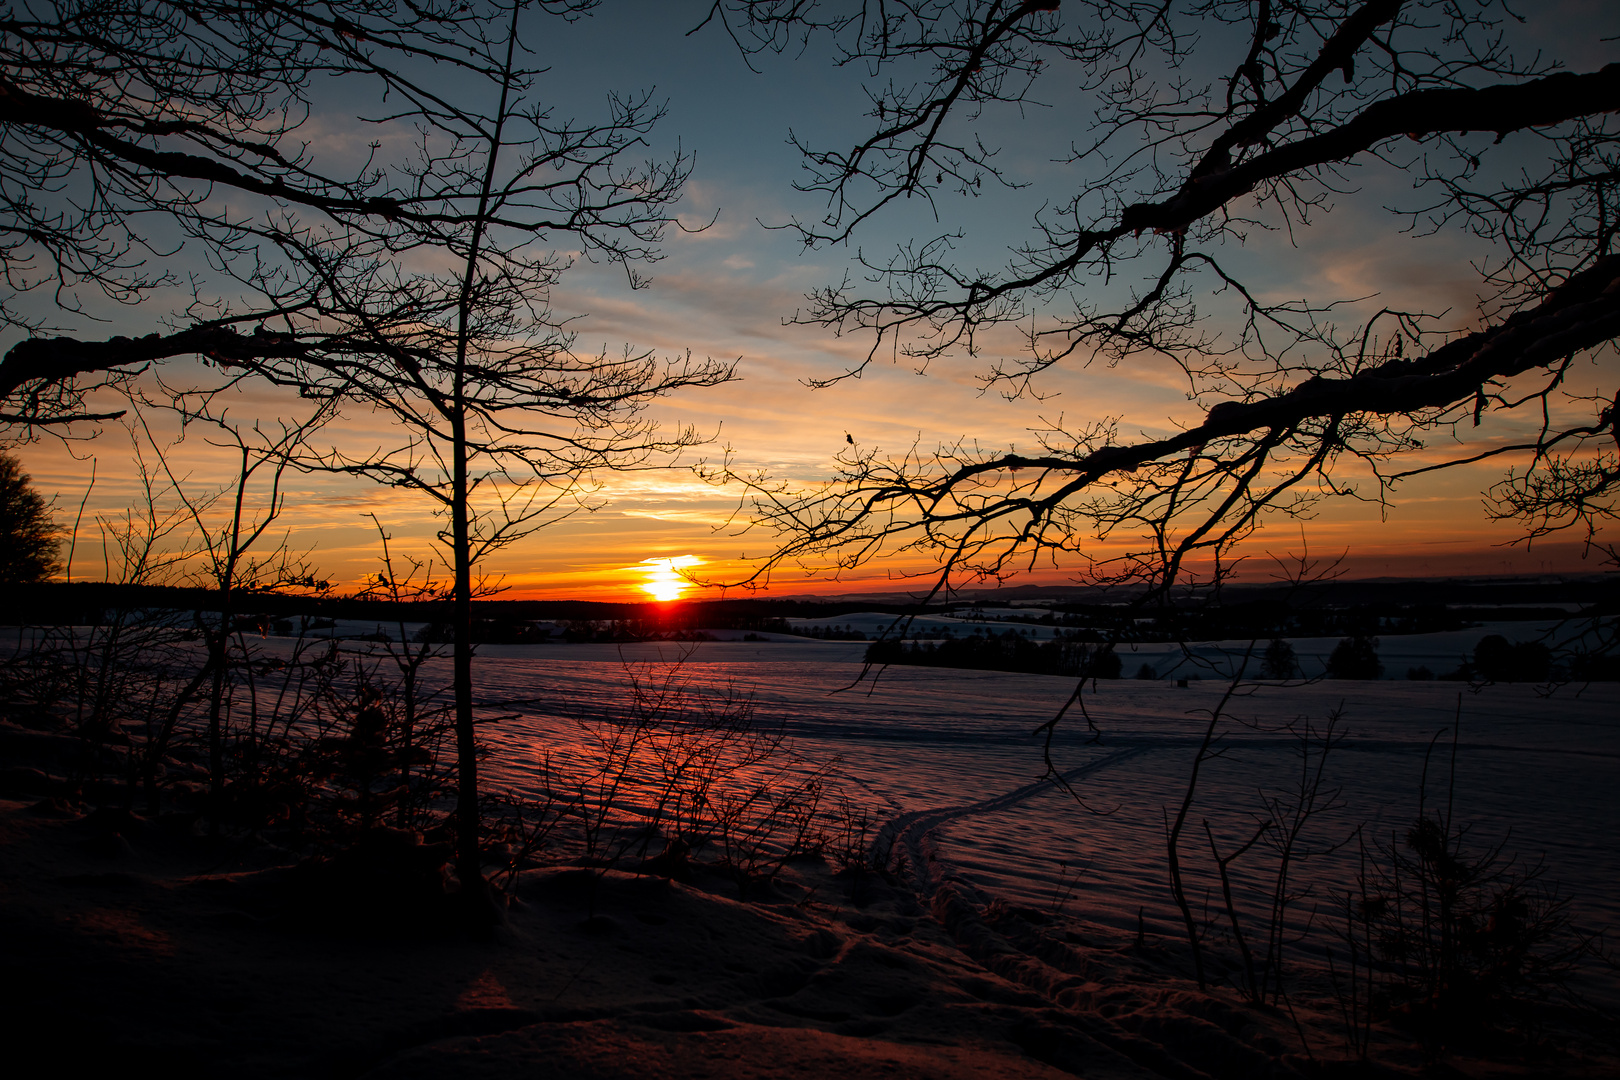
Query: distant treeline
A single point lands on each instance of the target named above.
(1275, 619)
(87, 603)
(1260, 614)
(1008, 651)
(1495, 659)
(826, 633)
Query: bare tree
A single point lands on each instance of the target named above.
(1208, 747)
(408, 581)
(488, 411)
(228, 526)
(1200, 123)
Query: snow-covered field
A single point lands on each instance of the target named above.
(1020, 946)
(950, 761)
(948, 758)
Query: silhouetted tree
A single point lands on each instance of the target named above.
(1498, 660)
(415, 289)
(28, 537)
(1355, 658)
(1279, 661)
(493, 417)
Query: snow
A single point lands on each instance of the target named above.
(1015, 946)
(950, 759)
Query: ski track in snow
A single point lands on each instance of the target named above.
(913, 831)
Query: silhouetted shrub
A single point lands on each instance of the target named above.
(1594, 667)
(1470, 943)
(1280, 661)
(1498, 660)
(1355, 658)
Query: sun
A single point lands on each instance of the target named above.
(663, 579)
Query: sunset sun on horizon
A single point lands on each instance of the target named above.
(663, 580)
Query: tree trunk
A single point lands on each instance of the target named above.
(468, 862)
(219, 649)
(216, 698)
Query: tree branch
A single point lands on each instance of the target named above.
(1582, 313)
(1503, 108)
(61, 359)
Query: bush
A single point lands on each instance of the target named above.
(1469, 944)
(1461, 944)
(694, 772)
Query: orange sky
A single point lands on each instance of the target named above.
(623, 539)
(725, 292)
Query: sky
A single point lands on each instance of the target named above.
(728, 290)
